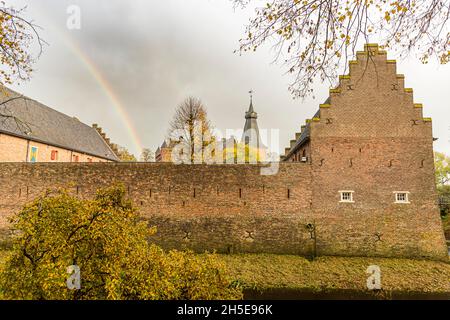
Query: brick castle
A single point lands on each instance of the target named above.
(358, 180)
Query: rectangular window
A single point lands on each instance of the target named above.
(33, 154)
(346, 196)
(401, 197)
(54, 155)
(89, 160)
(76, 158)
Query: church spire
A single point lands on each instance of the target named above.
(251, 130)
(251, 101)
(251, 114)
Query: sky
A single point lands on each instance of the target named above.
(132, 62)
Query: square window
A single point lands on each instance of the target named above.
(346, 196)
(401, 197)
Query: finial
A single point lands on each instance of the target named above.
(251, 101)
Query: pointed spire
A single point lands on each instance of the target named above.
(251, 114)
(251, 102)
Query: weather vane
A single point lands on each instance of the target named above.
(251, 94)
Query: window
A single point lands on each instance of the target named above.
(346, 196)
(33, 154)
(76, 158)
(89, 160)
(401, 197)
(54, 155)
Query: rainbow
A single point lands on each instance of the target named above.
(107, 89)
(102, 81)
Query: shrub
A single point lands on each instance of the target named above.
(107, 240)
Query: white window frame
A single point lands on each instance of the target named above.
(406, 193)
(351, 192)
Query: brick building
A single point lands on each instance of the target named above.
(357, 181)
(33, 132)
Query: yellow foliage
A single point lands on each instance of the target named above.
(107, 240)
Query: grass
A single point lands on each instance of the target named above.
(265, 271)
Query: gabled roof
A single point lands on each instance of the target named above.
(42, 124)
(306, 132)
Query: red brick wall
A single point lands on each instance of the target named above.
(14, 149)
(372, 139)
(230, 208)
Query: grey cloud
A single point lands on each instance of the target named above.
(155, 53)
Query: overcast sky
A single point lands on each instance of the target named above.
(153, 54)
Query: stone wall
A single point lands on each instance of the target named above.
(372, 139)
(233, 208)
(222, 207)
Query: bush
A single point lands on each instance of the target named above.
(107, 240)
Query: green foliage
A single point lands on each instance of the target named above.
(442, 168)
(243, 153)
(444, 200)
(107, 239)
(125, 156)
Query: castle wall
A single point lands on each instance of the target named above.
(232, 208)
(203, 207)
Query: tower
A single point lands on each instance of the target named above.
(251, 136)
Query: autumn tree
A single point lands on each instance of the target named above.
(147, 155)
(107, 240)
(20, 46)
(442, 171)
(315, 39)
(241, 152)
(191, 129)
(124, 155)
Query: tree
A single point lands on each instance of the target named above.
(19, 38)
(442, 171)
(107, 240)
(191, 129)
(442, 168)
(125, 156)
(243, 153)
(316, 38)
(147, 155)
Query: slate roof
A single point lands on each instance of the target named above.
(306, 132)
(42, 124)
